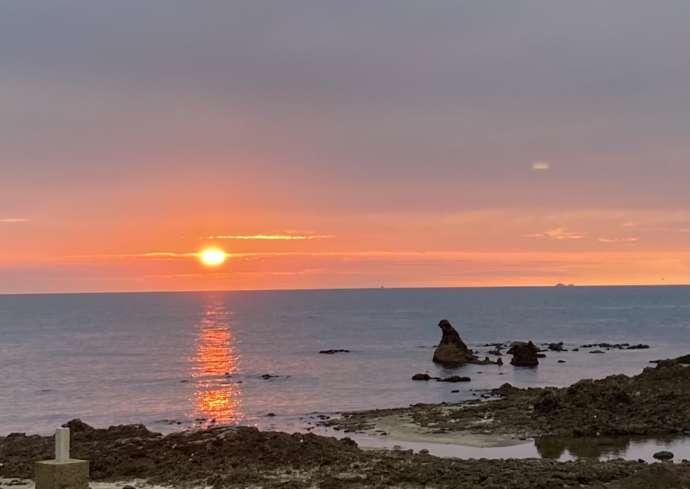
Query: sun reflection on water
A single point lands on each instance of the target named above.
(216, 394)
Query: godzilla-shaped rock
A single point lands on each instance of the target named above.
(452, 351)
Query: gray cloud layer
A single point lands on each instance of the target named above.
(413, 102)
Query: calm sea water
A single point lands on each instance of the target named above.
(124, 358)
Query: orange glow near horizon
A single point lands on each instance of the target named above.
(474, 248)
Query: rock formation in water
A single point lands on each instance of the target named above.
(452, 351)
(524, 354)
(422, 377)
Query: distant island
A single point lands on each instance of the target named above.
(560, 284)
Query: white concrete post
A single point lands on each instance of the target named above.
(62, 472)
(62, 444)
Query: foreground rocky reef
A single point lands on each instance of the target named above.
(247, 457)
(655, 402)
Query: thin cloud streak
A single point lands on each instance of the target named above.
(120, 256)
(558, 234)
(13, 220)
(165, 254)
(432, 255)
(618, 240)
(272, 237)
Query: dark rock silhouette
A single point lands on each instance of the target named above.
(616, 346)
(77, 426)
(663, 455)
(452, 351)
(421, 377)
(524, 354)
(455, 378)
(684, 360)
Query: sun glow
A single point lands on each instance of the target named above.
(212, 257)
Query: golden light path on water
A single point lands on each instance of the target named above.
(216, 396)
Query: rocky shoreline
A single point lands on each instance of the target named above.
(654, 402)
(248, 458)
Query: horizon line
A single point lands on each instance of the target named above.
(334, 289)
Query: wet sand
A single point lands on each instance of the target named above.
(401, 427)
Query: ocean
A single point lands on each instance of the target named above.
(175, 360)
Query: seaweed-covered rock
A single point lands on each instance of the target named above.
(663, 455)
(547, 403)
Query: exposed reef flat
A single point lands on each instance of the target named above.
(248, 458)
(655, 402)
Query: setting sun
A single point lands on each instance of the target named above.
(212, 257)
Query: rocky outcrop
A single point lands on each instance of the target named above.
(617, 346)
(455, 378)
(525, 354)
(684, 360)
(422, 377)
(452, 351)
(452, 378)
(663, 455)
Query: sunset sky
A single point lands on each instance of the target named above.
(328, 144)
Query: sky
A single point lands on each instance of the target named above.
(335, 144)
